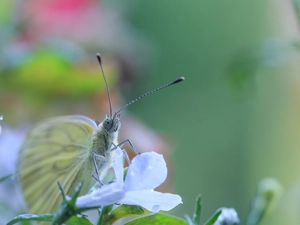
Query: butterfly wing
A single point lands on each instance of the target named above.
(57, 149)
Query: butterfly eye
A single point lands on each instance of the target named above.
(107, 124)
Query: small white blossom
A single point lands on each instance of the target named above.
(146, 172)
(228, 217)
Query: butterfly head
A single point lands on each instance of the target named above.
(112, 124)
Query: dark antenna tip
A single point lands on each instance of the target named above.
(99, 59)
(178, 80)
(107, 89)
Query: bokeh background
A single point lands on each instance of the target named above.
(234, 121)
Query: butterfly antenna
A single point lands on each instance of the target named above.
(149, 93)
(107, 89)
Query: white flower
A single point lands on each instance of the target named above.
(146, 172)
(228, 216)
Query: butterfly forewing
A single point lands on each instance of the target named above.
(57, 149)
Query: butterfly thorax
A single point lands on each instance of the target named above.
(106, 134)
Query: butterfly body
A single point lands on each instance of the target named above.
(62, 149)
(106, 134)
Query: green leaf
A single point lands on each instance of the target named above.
(33, 217)
(123, 211)
(197, 212)
(158, 219)
(103, 214)
(75, 220)
(68, 209)
(214, 218)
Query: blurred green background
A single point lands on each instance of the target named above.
(233, 122)
(207, 121)
(226, 138)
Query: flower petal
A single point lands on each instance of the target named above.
(152, 200)
(106, 195)
(119, 165)
(146, 171)
(110, 193)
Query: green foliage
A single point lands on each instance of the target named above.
(68, 209)
(197, 212)
(157, 219)
(75, 220)
(31, 217)
(214, 218)
(123, 211)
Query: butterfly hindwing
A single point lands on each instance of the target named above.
(57, 149)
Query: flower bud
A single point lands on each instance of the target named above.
(268, 193)
(228, 216)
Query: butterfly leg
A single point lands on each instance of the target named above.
(132, 146)
(95, 174)
(130, 143)
(124, 151)
(115, 147)
(112, 146)
(101, 158)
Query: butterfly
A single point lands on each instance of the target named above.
(69, 149)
